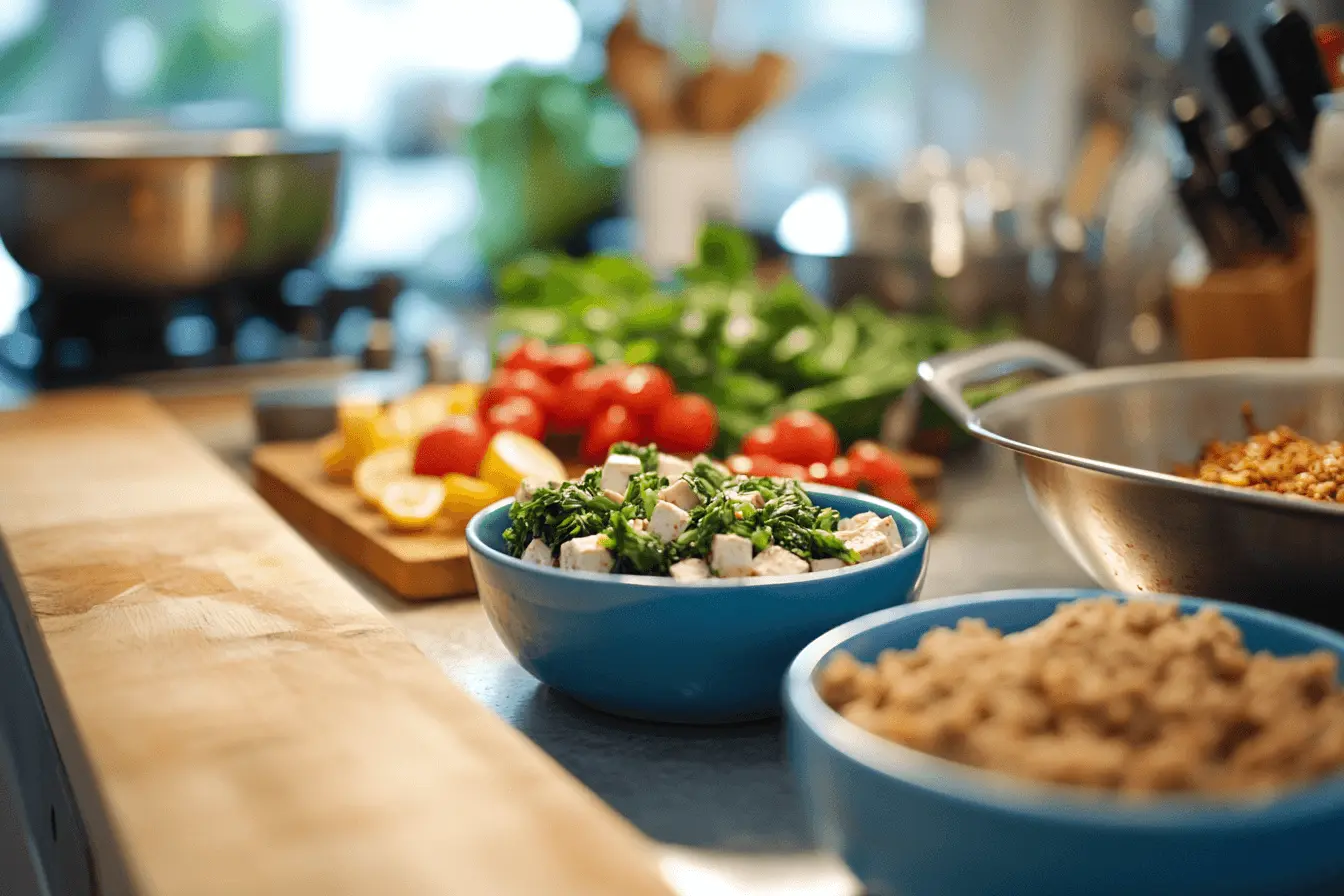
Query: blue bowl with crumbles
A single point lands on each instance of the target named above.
(709, 646)
(1112, 746)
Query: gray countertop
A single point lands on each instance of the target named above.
(722, 799)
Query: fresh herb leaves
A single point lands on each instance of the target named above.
(764, 510)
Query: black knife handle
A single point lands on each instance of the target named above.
(1290, 43)
(1212, 219)
(1194, 124)
(1236, 75)
(1250, 191)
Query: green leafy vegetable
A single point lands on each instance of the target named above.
(753, 350)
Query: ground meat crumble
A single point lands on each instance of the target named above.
(1130, 696)
(1279, 460)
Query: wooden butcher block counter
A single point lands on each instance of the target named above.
(234, 718)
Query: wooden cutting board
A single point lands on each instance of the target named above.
(415, 566)
(235, 718)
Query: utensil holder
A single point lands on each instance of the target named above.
(681, 182)
(1258, 310)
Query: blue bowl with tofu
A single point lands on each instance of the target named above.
(908, 822)
(708, 651)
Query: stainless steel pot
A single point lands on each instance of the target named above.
(146, 209)
(1095, 450)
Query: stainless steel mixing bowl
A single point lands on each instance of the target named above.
(1096, 450)
(145, 208)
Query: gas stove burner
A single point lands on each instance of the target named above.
(89, 338)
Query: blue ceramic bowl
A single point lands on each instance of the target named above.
(650, 648)
(910, 824)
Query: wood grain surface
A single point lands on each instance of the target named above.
(415, 566)
(235, 718)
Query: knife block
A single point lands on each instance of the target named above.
(1258, 310)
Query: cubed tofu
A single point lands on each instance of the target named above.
(826, 564)
(538, 552)
(887, 526)
(753, 498)
(618, 469)
(856, 522)
(618, 497)
(681, 494)
(668, 521)
(672, 468)
(692, 569)
(730, 556)
(585, 555)
(528, 488)
(867, 543)
(776, 561)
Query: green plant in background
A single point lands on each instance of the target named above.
(548, 153)
(754, 350)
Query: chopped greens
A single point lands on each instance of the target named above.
(648, 533)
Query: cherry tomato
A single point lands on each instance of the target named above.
(876, 466)
(789, 471)
(754, 465)
(612, 425)
(643, 389)
(761, 440)
(803, 437)
(517, 413)
(566, 361)
(902, 494)
(508, 383)
(454, 446)
(529, 354)
(686, 424)
(577, 401)
(837, 473)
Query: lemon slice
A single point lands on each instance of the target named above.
(358, 421)
(513, 457)
(465, 495)
(412, 503)
(375, 472)
(337, 463)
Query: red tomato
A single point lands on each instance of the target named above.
(761, 440)
(876, 466)
(802, 437)
(899, 493)
(454, 446)
(686, 424)
(566, 361)
(837, 473)
(508, 383)
(577, 401)
(612, 425)
(517, 413)
(529, 354)
(643, 389)
(754, 465)
(789, 471)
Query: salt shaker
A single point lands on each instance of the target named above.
(1324, 180)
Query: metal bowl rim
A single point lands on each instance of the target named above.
(127, 144)
(1020, 405)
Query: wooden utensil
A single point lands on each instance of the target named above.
(640, 72)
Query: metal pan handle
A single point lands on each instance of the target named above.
(945, 377)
